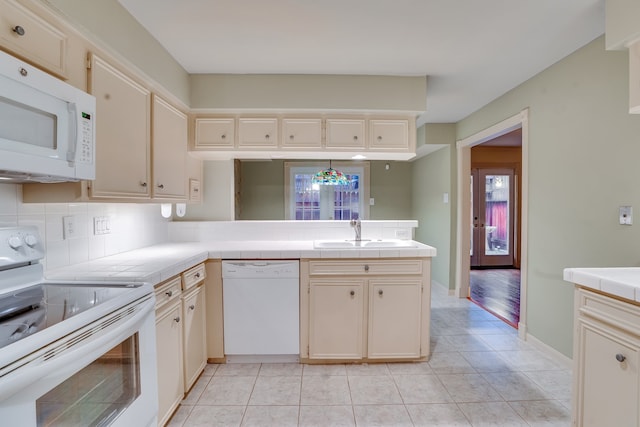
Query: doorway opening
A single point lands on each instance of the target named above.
(491, 262)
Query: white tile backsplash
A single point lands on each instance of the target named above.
(287, 230)
(133, 226)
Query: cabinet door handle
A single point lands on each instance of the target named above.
(380, 292)
(224, 136)
(143, 184)
(169, 293)
(291, 137)
(192, 307)
(366, 267)
(160, 186)
(620, 357)
(176, 319)
(355, 137)
(266, 136)
(352, 293)
(19, 30)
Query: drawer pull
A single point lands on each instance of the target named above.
(197, 275)
(366, 267)
(143, 184)
(380, 292)
(352, 293)
(161, 186)
(192, 307)
(620, 357)
(169, 293)
(18, 30)
(176, 319)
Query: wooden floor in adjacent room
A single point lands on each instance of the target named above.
(497, 291)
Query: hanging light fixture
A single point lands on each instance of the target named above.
(330, 176)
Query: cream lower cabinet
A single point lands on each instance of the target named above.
(194, 325)
(336, 319)
(365, 309)
(169, 348)
(606, 362)
(394, 318)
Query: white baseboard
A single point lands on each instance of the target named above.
(560, 358)
(450, 292)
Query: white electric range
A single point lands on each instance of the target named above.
(72, 353)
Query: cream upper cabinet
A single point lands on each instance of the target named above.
(606, 361)
(336, 319)
(365, 309)
(257, 133)
(394, 305)
(169, 151)
(621, 23)
(388, 134)
(213, 133)
(29, 36)
(345, 134)
(169, 348)
(301, 133)
(123, 133)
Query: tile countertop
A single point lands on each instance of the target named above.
(155, 264)
(623, 282)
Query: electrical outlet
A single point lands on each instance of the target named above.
(69, 229)
(626, 215)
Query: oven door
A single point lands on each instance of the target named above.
(102, 374)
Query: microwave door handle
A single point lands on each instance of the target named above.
(73, 143)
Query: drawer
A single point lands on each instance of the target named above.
(366, 266)
(33, 38)
(193, 276)
(619, 314)
(168, 291)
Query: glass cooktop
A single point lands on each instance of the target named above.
(35, 308)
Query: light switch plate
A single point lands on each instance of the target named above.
(626, 215)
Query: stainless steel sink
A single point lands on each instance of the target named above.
(363, 244)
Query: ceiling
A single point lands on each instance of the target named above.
(472, 51)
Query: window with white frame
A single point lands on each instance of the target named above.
(307, 201)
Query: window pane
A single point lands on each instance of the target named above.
(340, 202)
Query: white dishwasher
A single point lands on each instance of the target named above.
(261, 305)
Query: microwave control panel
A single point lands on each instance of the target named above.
(86, 148)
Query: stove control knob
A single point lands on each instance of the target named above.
(15, 242)
(30, 240)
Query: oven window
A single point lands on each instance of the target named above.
(97, 394)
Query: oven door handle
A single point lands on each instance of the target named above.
(62, 366)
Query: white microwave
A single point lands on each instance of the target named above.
(47, 127)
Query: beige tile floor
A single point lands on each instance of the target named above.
(479, 374)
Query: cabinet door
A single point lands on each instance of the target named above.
(123, 133)
(215, 132)
(388, 134)
(301, 133)
(608, 389)
(345, 134)
(336, 319)
(257, 133)
(169, 151)
(394, 318)
(169, 359)
(31, 37)
(195, 340)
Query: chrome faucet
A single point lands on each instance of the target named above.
(357, 225)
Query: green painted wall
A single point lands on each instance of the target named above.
(432, 178)
(262, 194)
(583, 164)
